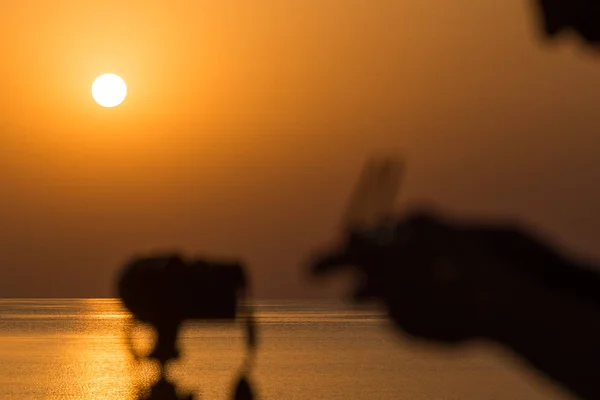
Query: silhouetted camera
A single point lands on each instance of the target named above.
(165, 291)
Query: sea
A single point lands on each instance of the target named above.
(53, 349)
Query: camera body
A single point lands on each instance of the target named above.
(167, 290)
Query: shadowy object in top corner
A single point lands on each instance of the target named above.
(579, 16)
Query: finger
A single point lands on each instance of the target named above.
(364, 291)
(329, 263)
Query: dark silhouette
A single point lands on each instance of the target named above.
(451, 281)
(580, 16)
(165, 291)
(444, 280)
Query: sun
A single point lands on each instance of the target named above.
(109, 90)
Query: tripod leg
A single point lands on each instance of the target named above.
(166, 344)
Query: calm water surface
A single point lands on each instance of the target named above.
(73, 349)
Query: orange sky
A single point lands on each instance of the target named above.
(247, 123)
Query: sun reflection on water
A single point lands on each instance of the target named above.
(95, 364)
(61, 349)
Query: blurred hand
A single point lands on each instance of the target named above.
(438, 279)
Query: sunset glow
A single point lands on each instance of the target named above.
(109, 90)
